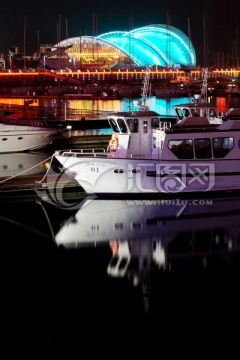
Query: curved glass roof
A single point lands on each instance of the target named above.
(161, 45)
(154, 45)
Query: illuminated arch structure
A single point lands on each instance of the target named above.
(158, 45)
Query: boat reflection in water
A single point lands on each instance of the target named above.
(157, 236)
(26, 163)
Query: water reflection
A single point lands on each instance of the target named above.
(23, 163)
(156, 235)
(126, 264)
(74, 109)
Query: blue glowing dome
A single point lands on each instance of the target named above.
(161, 45)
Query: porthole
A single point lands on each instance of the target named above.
(136, 171)
(20, 138)
(4, 139)
(119, 171)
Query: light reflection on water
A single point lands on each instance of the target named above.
(76, 108)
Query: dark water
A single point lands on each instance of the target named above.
(102, 275)
(117, 269)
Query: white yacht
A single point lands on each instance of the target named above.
(17, 137)
(148, 155)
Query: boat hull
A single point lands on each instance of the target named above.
(22, 138)
(106, 175)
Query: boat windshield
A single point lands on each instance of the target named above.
(118, 125)
(182, 113)
(113, 124)
(122, 125)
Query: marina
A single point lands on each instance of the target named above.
(70, 259)
(119, 179)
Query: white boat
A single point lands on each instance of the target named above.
(146, 155)
(17, 137)
(148, 234)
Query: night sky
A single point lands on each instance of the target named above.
(222, 20)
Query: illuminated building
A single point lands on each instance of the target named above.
(158, 45)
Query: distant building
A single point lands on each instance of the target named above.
(158, 45)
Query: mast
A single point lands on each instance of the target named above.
(204, 41)
(189, 46)
(58, 41)
(145, 88)
(80, 48)
(130, 40)
(203, 96)
(237, 48)
(24, 43)
(168, 40)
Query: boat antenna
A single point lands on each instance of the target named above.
(203, 96)
(145, 88)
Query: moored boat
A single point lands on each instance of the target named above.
(148, 155)
(23, 137)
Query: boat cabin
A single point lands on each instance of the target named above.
(196, 110)
(136, 132)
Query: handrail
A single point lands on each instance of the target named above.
(80, 153)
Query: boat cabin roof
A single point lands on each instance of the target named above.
(195, 105)
(138, 114)
(233, 113)
(195, 122)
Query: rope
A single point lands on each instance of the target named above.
(51, 157)
(47, 218)
(22, 172)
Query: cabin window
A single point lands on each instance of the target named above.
(183, 149)
(133, 125)
(186, 113)
(212, 112)
(155, 123)
(122, 125)
(203, 148)
(195, 112)
(179, 114)
(222, 146)
(114, 125)
(145, 127)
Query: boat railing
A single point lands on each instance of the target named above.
(82, 152)
(165, 126)
(102, 153)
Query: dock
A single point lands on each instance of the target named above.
(54, 182)
(38, 187)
